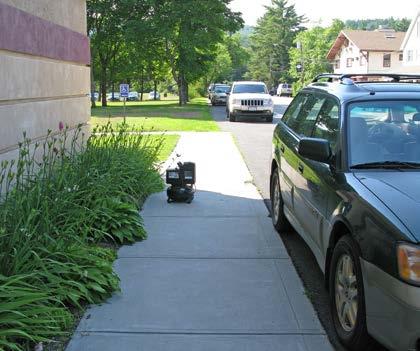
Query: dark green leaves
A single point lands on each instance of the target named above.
(271, 41)
(55, 218)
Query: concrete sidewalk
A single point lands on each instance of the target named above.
(212, 276)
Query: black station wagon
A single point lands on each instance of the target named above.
(345, 174)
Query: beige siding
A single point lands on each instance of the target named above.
(26, 77)
(67, 13)
(36, 118)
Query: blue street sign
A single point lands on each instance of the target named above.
(124, 90)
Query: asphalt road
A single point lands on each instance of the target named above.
(254, 140)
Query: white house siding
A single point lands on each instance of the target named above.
(359, 64)
(373, 65)
(411, 48)
(376, 62)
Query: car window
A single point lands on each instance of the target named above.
(327, 124)
(308, 114)
(249, 88)
(381, 131)
(289, 117)
(222, 89)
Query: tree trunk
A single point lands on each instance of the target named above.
(103, 87)
(182, 90)
(141, 84)
(187, 92)
(92, 88)
(155, 89)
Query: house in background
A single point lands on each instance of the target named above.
(411, 47)
(358, 51)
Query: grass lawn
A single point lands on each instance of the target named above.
(169, 143)
(164, 115)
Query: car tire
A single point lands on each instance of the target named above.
(269, 119)
(280, 222)
(346, 280)
(232, 117)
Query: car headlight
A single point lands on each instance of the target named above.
(236, 101)
(409, 262)
(268, 102)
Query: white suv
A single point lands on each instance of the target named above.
(249, 99)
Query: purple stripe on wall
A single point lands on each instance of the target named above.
(28, 34)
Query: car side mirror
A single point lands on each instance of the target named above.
(315, 149)
(228, 93)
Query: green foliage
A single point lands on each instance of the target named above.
(62, 201)
(28, 313)
(122, 46)
(312, 54)
(399, 25)
(229, 64)
(271, 41)
(142, 42)
(221, 67)
(245, 34)
(191, 30)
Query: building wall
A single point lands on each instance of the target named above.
(376, 62)
(44, 69)
(352, 53)
(411, 62)
(359, 64)
(67, 13)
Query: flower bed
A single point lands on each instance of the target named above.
(63, 203)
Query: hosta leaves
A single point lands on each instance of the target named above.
(54, 217)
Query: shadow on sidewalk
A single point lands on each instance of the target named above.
(211, 269)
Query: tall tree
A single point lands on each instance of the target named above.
(239, 56)
(271, 41)
(311, 53)
(191, 30)
(220, 68)
(107, 24)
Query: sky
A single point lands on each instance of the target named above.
(323, 11)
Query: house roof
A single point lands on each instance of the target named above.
(379, 40)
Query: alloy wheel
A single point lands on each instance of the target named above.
(346, 293)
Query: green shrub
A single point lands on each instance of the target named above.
(61, 201)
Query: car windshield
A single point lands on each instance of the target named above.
(222, 89)
(249, 88)
(384, 134)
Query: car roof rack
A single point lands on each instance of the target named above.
(354, 78)
(329, 76)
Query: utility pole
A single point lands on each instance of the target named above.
(301, 68)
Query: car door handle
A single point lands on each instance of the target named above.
(282, 148)
(301, 168)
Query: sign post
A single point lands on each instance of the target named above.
(124, 91)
